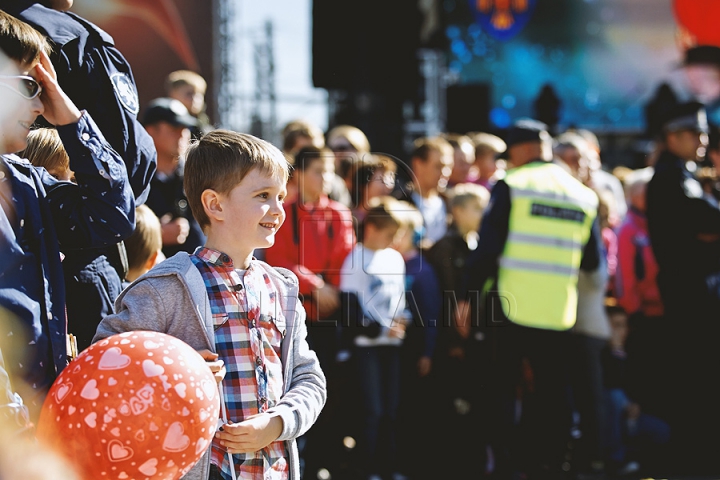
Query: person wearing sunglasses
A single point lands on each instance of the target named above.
(97, 78)
(41, 215)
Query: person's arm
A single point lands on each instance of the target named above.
(483, 261)
(428, 299)
(14, 416)
(300, 407)
(99, 210)
(593, 249)
(99, 80)
(141, 307)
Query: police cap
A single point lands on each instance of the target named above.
(702, 55)
(527, 130)
(168, 110)
(686, 116)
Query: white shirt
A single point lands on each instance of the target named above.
(377, 277)
(434, 215)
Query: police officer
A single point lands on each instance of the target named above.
(168, 122)
(539, 229)
(684, 232)
(97, 78)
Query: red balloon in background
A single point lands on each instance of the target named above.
(137, 405)
(700, 18)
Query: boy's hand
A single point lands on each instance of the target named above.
(217, 367)
(251, 435)
(59, 109)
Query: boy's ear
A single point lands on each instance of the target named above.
(152, 261)
(212, 203)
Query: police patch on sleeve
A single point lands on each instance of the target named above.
(125, 92)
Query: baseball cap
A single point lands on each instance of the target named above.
(168, 110)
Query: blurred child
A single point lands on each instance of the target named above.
(45, 149)
(373, 177)
(487, 168)
(634, 436)
(459, 353)
(467, 204)
(144, 246)
(376, 274)
(424, 301)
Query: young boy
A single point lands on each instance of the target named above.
(223, 300)
(39, 215)
(376, 274)
(144, 246)
(45, 149)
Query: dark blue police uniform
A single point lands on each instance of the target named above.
(97, 78)
(40, 216)
(684, 228)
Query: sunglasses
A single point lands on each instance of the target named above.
(26, 87)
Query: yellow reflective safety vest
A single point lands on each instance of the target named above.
(551, 217)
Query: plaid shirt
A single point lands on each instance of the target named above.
(249, 329)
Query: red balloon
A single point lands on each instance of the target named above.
(700, 18)
(138, 405)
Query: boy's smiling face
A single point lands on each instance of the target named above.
(248, 216)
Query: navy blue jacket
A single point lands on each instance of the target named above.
(40, 216)
(684, 232)
(97, 78)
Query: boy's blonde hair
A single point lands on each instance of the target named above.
(385, 212)
(463, 193)
(45, 149)
(221, 159)
(145, 240)
(180, 78)
(486, 143)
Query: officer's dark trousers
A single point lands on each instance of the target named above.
(537, 361)
(693, 372)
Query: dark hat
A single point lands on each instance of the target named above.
(168, 110)
(702, 55)
(526, 130)
(686, 116)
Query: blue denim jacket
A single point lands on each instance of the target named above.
(39, 217)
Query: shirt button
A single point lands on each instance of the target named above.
(258, 361)
(85, 136)
(2, 175)
(225, 258)
(263, 400)
(101, 172)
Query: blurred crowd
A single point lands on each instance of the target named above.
(461, 336)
